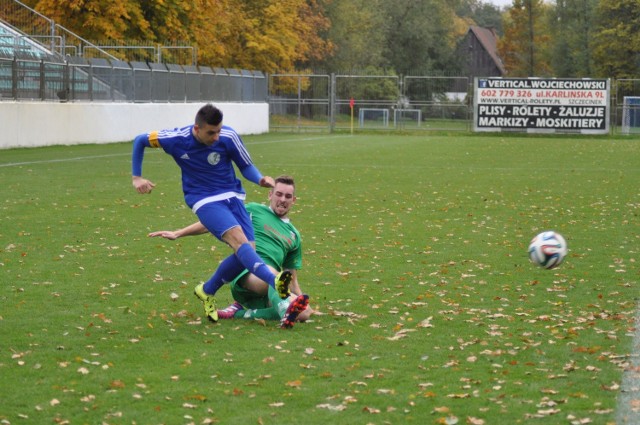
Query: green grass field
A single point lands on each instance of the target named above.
(415, 256)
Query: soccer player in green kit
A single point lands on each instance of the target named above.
(278, 243)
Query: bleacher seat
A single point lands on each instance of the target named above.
(14, 44)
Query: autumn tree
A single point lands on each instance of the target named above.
(99, 19)
(171, 20)
(318, 46)
(126, 23)
(270, 35)
(523, 48)
(276, 34)
(212, 31)
(267, 35)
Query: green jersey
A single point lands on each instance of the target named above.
(277, 240)
(278, 244)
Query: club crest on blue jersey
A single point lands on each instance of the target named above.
(213, 158)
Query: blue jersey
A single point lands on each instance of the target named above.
(207, 171)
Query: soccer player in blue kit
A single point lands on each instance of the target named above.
(205, 152)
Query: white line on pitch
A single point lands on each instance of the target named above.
(81, 158)
(628, 412)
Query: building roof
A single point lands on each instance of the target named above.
(489, 40)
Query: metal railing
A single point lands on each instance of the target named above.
(42, 60)
(31, 23)
(97, 79)
(57, 40)
(144, 52)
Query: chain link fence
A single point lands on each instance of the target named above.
(382, 102)
(330, 102)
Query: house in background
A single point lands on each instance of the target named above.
(479, 53)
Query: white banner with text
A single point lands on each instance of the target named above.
(538, 105)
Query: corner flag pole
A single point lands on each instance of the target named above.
(351, 104)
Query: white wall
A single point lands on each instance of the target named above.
(30, 124)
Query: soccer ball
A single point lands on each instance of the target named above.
(547, 249)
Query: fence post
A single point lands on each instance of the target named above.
(65, 81)
(299, 100)
(53, 34)
(133, 84)
(90, 82)
(332, 103)
(14, 78)
(41, 90)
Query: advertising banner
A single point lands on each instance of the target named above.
(538, 105)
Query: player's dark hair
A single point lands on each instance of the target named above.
(208, 114)
(284, 179)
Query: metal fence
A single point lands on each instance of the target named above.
(382, 102)
(298, 102)
(97, 79)
(626, 106)
(329, 102)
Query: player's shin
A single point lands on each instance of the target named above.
(226, 272)
(252, 262)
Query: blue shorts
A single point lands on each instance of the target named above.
(220, 216)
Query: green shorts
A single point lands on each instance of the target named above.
(249, 300)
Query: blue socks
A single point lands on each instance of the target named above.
(252, 262)
(226, 272)
(233, 265)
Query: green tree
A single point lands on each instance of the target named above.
(482, 14)
(356, 32)
(402, 36)
(420, 35)
(617, 39)
(571, 30)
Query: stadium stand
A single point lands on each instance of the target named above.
(41, 60)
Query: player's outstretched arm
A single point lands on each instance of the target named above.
(191, 230)
(142, 185)
(267, 181)
(252, 174)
